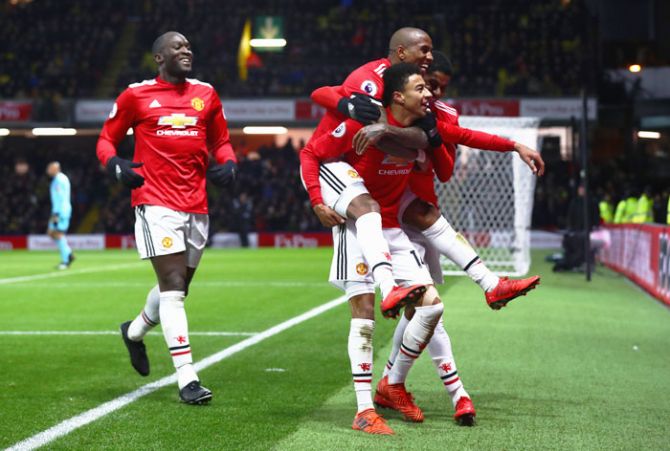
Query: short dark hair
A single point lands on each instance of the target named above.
(395, 79)
(442, 63)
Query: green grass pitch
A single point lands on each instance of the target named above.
(574, 365)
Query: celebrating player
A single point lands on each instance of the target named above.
(178, 125)
(386, 178)
(61, 210)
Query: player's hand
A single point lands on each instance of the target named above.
(360, 107)
(531, 157)
(122, 170)
(428, 124)
(223, 174)
(368, 136)
(328, 217)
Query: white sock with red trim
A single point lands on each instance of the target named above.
(360, 356)
(397, 341)
(175, 332)
(456, 248)
(440, 351)
(375, 249)
(148, 318)
(416, 336)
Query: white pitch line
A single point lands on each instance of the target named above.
(204, 283)
(64, 273)
(116, 332)
(69, 425)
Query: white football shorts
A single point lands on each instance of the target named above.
(350, 272)
(163, 231)
(340, 184)
(427, 251)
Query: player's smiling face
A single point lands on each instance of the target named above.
(416, 96)
(177, 55)
(437, 83)
(420, 52)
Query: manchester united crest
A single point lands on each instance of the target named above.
(167, 242)
(353, 174)
(198, 104)
(362, 269)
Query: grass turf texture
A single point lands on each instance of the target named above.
(572, 366)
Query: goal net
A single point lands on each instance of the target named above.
(489, 199)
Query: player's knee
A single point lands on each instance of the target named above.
(432, 297)
(420, 214)
(361, 205)
(363, 306)
(173, 280)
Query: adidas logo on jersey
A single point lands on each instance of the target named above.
(155, 104)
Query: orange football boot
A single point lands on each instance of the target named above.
(397, 398)
(372, 423)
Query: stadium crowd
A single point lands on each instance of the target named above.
(57, 49)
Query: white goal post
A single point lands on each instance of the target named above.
(489, 199)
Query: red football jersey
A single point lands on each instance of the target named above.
(366, 79)
(422, 182)
(176, 127)
(385, 176)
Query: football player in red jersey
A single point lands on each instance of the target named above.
(386, 177)
(180, 130)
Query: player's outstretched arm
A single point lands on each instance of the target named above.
(357, 106)
(327, 96)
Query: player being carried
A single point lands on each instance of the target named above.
(414, 45)
(179, 126)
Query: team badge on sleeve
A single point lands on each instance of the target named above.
(198, 104)
(369, 87)
(340, 130)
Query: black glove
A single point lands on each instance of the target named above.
(122, 170)
(428, 124)
(360, 107)
(223, 174)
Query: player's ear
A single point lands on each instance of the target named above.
(398, 98)
(400, 51)
(159, 58)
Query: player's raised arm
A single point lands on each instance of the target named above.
(443, 159)
(224, 171)
(485, 141)
(121, 118)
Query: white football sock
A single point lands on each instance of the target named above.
(415, 338)
(148, 318)
(440, 351)
(175, 332)
(456, 248)
(375, 250)
(360, 356)
(397, 341)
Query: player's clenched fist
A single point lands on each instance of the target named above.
(328, 216)
(223, 174)
(122, 170)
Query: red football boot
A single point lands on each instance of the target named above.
(465, 412)
(508, 289)
(400, 297)
(370, 422)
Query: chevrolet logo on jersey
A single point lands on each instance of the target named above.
(178, 120)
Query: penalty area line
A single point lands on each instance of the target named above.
(65, 427)
(64, 273)
(116, 332)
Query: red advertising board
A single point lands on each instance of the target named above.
(15, 111)
(642, 253)
(316, 239)
(10, 242)
(306, 110)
